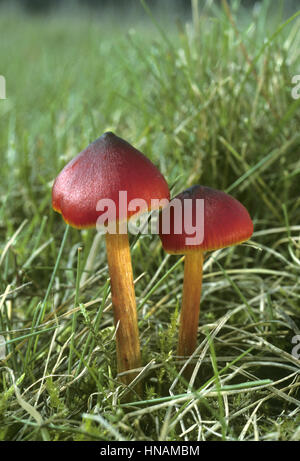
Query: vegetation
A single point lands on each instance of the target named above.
(208, 102)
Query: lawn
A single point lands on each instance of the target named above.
(210, 100)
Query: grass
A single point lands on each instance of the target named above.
(209, 102)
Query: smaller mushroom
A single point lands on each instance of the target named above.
(225, 222)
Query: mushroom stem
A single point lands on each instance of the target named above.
(190, 309)
(124, 304)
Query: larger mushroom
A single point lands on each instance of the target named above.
(220, 221)
(107, 167)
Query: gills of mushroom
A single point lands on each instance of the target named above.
(108, 167)
(209, 220)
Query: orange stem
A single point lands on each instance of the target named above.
(124, 304)
(190, 309)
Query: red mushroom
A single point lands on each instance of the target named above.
(222, 221)
(107, 167)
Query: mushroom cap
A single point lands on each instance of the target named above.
(226, 221)
(106, 167)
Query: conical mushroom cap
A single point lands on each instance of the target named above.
(106, 167)
(225, 221)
